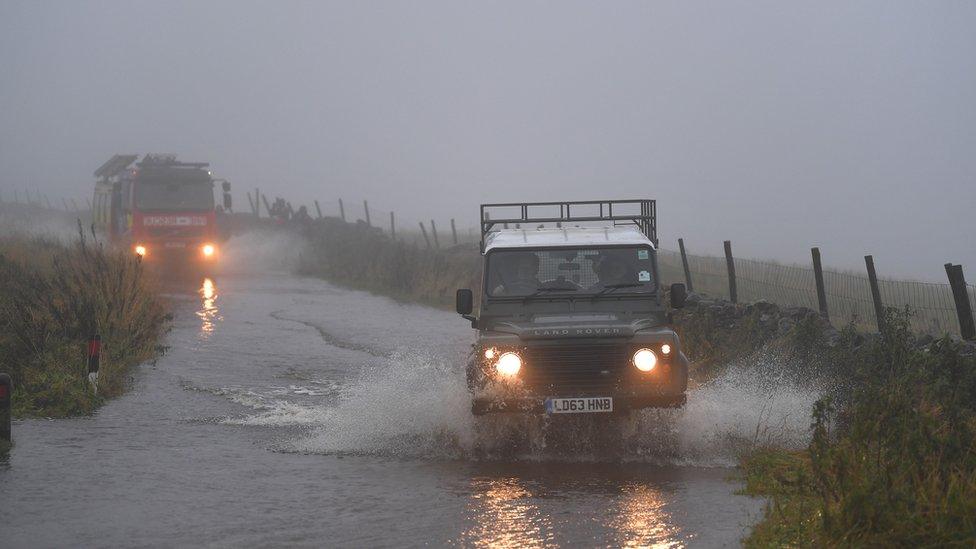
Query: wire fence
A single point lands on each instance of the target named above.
(848, 294)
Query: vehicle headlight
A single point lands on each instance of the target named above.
(645, 360)
(665, 349)
(509, 364)
(491, 353)
(140, 250)
(209, 249)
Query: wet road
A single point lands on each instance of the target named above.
(291, 412)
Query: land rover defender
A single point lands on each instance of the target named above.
(571, 316)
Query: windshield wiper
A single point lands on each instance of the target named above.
(611, 287)
(539, 291)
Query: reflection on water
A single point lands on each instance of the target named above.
(505, 516)
(208, 313)
(555, 504)
(642, 520)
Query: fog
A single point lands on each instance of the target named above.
(851, 126)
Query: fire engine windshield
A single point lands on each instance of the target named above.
(571, 271)
(175, 196)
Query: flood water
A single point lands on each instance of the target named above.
(288, 411)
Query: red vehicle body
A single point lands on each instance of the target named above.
(162, 209)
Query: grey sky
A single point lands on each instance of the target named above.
(849, 125)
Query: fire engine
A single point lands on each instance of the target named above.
(160, 208)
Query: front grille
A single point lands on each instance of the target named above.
(576, 369)
(175, 232)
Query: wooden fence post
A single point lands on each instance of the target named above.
(454, 232)
(250, 201)
(433, 231)
(392, 227)
(967, 328)
(366, 209)
(684, 264)
(318, 209)
(819, 280)
(267, 207)
(730, 266)
(342, 211)
(875, 291)
(257, 202)
(424, 231)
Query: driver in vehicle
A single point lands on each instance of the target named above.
(519, 274)
(611, 269)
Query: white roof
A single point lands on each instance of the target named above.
(566, 237)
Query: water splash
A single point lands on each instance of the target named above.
(414, 405)
(417, 405)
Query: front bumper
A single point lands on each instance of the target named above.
(536, 405)
(183, 252)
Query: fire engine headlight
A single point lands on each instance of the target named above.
(645, 360)
(665, 349)
(208, 249)
(509, 364)
(140, 250)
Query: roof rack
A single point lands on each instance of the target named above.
(641, 212)
(115, 165)
(168, 160)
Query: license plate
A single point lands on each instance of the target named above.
(175, 245)
(581, 405)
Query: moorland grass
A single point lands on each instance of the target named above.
(364, 258)
(53, 297)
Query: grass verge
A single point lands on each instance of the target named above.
(892, 461)
(53, 296)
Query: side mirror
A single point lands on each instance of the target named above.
(678, 295)
(464, 302)
(227, 202)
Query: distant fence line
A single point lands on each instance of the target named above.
(843, 297)
(361, 212)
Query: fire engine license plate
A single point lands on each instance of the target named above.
(582, 405)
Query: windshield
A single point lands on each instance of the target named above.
(176, 196)
(576, 271)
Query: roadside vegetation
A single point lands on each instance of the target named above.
(362, 257)
(892, 460)
(53, 297)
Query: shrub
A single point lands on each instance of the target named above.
(53, 297)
